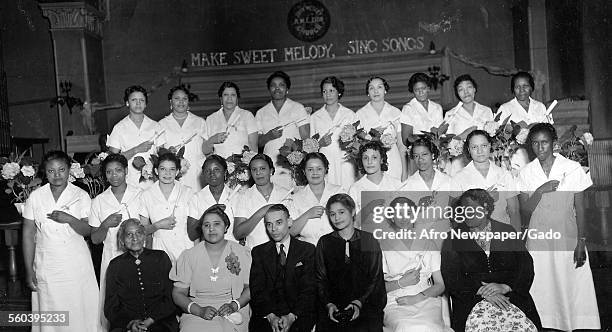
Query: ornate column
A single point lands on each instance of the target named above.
(76, 32)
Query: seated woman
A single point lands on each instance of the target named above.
(409, 266)
(138, 290)
(348, 272)
(211, 280)
(488, 281)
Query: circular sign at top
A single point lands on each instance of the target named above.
(308, 20)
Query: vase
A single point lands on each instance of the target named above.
(19, 206)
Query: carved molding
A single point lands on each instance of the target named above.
(73, 15)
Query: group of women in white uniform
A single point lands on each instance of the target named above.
(58, 215)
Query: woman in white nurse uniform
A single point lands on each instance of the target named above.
(117, 203)
(214, 171)
(165, 209)
(231, 125)
(468, 112)
(522, 107)
(58, 263)
(378, 114)
(551, 196)
(309, 218)
(482, 173)
(183, 128)
(136, 134)
(328, 122)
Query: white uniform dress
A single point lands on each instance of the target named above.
(126, 135)
(62, 262)
(156, 207)
(421, 119)
(564, 295)
(389, 119)
(240, 125)
(204, 199)
(470, 178)
(388, 183)
(103, 206)
(459, 119)
(176, 135)
(250, 200)
(516, 112)
(293, 115)
(341, 172)
(303, 200)
(424, 316)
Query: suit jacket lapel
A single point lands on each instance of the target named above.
(270, 263)
(292, 257)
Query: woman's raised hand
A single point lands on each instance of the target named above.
(411, 277)
(166, 223)
(548, 187)
(325, 140)
(61, 217)
(218, 138)
(144, 146)
(315, 212)
(112, 220)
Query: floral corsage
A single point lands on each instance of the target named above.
(233, 263)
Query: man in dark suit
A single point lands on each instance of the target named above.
(282, 280)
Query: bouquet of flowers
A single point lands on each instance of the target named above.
(574, 147)
(292, 153)
(89, 176)
(20, 176)
(238, 168)
(449, 145)
(145, 167)
(352, 138)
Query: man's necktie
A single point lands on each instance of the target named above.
(283, 255)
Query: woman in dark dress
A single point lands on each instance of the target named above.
(348, 270)
(138, 288)
(488, 281)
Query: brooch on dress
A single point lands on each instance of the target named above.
(137, 261)
(214, 275)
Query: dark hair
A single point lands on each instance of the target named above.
(132, 89)
(219, 210)
(280, 74)
(385, 84)
(466, 145)
(522, 74)
(278, 207)
(314, 155)
(122, 228)
(264, 157)
(416, 78)
(543, 127)
(396, 201)
(169, 156)
(116, 158)
(226, 85)
(344, 199)
(480, 196)
(181, 87)
(336, 83)
(376, 146)
(426, 143)
(55, 155)
(463, 78)
(215, 158)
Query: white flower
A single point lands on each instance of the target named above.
(310, 145)
(455, 147)
(368, 137)
(28, 171)
(71, 178)
(521, 137)
(243, 176)
(587, 138)
(102, 156)
(77, 171)
(295, 157)
(387, 140)
(9, 170)
(347, 133)
(491, 127)
(147, 170)
(247, 156)
(231, 167)
(519, 159)
(185, 166)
